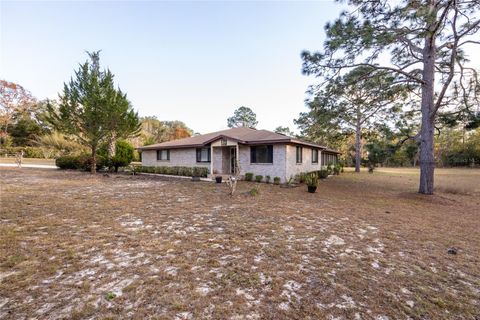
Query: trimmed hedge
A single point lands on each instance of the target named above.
(175, 171)
(248, 176)
(68, 162)
(80, 162)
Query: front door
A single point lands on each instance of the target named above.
(233, 159)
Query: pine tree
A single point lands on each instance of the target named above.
(92, 109)
(355, 101)
(243, 117)
(426, 42)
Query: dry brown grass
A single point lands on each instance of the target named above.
(364, 246)
(10, 160)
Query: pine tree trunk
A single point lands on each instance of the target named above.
(93, 169)
(358, 146)
(427, 160)
(111, 145)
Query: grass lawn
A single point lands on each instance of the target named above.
(365, 246)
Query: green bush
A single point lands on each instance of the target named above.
(248, 176)
(33, 152)
(254, 191)
(276, 180)
(124, 154)
(176, 171)
(85, 161)
(322, 174)
(267, 179)
(329, 169)
(81, 162)
(301, 177)
(336, 169)
(258, 178)
(199, 172)
(68, 162)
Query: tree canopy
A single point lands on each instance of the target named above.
(426, 43)
(284, 130)
(243, 117)
(92, 109)
(156, 131)
(15, 100)
(355, 101)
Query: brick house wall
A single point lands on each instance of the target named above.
(178, 157)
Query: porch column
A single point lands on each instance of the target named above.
(211, 160)
(320, 156)
(237, 158)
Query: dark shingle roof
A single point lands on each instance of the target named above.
(242, 135)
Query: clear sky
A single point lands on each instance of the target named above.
(190, 61)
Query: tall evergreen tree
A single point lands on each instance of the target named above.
(92, 109)
(355, 102)
(426, 41)
(285, 131)
(243, 117)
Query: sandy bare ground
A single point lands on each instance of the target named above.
(364, 247)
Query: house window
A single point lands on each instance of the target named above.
(299, 154)
(314, 156)
(163, 155)
(261, 154)
(203, 154)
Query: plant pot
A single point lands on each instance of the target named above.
(312, 189)
(218, 179)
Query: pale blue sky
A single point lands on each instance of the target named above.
(190, 61)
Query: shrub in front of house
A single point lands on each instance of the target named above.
(336, 169)
(276, 180)
(330, 169)
(124, 154)
(79, 162)
(267, 179)
(68, 162)
(301, 177)
(175, 171)
(258, 178)
(322, 174)
(86, 162)
(199, 172)
(248, 176)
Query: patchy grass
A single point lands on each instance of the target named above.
(365, 246)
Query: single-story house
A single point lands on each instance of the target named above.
(260, 152)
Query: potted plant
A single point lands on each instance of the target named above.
(276, 180)
(218, 179)
(311, 180)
